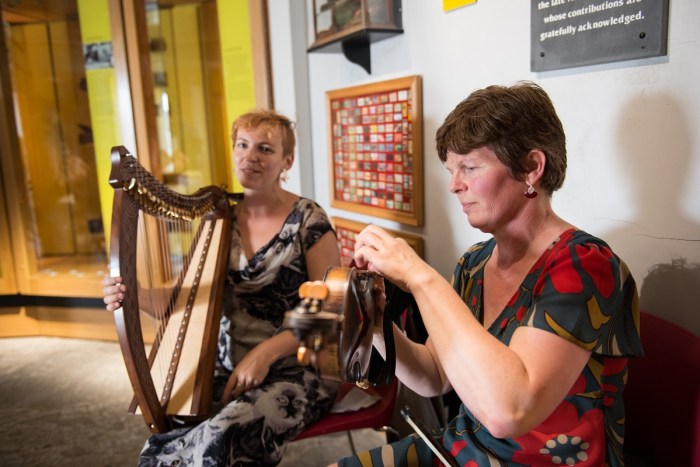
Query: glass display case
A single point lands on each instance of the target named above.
(350, 26)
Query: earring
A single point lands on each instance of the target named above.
(530, 193)
(284, 175)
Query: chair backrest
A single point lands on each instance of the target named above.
(662, 396)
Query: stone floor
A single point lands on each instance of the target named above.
(64, 404)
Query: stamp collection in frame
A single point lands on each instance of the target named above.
(375, 145)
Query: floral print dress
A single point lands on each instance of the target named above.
(254, 429)
(580, 291)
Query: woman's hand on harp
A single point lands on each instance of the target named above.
(113, 290)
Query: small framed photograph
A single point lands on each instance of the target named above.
(347, 230)
(376, 149)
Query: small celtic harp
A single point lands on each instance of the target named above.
(171, 251)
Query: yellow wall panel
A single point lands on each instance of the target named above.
(102, 97)
(237, 58)
(194, 124)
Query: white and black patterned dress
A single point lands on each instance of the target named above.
(253, 429)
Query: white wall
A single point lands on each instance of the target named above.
(632, 134)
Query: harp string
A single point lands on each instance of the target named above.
(176, 240)
(168, 246)
(158, 266)
(151, 310)
(163, 286)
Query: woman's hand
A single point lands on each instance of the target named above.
(113, 290)
(249, 373)
(252, 370)
(389, 256)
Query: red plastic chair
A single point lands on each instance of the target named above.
(662, 397)
(377, 416)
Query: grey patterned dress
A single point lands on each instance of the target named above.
(253, 429)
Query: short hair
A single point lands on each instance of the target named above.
(269, 120)
(511, 121)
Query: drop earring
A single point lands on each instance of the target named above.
(530, 193)
(284, 175)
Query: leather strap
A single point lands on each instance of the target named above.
(383, 370)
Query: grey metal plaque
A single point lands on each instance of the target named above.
(572, 33)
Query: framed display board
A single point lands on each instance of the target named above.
(376, 149)
(347, 230)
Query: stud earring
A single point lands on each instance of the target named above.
(284, 175)
(530, 193)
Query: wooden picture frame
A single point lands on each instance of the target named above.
(375, 142)
(346, 231)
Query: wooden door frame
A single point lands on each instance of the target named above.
(134, 80)
(8, 282)
(260, 44)
(21, 251)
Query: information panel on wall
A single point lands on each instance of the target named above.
(572, 33)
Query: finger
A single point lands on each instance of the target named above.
(366, 256)
(229, 389)
(368, 259)
(360, 243)
(108, 299)
(113, 304)
(240, 388)
(107, 281)
(370, 244)
(113, 289)
(248, 384)
(111, 294)
(360, 260)
(367, 236)
(374, 235)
